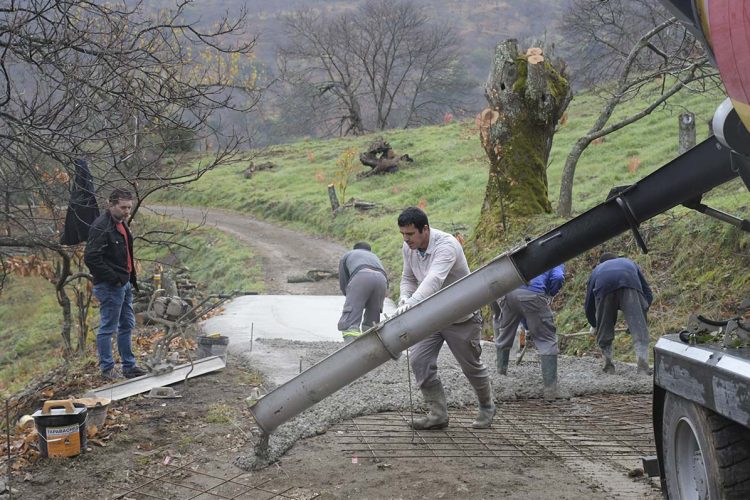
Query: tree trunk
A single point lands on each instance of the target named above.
(527, 96)
(7, 213)
(687, 132)
(565, 203)
(83, 301)
(63, 273)
(355, 115)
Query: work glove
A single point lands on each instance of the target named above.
(402, 308)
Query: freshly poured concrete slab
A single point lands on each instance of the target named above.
(311, 318)
(298, 318)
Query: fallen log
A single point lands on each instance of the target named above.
(249, 171)
(359, 204)
(381, 159)
(312, 276)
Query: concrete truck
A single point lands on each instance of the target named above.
(701, 407)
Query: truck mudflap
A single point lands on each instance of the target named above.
(708, 375)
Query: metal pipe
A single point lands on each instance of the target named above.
(742, 224)
(385, 341)
(698, 170)
(687, 177)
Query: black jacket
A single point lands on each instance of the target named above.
(82, 209)
(106, 256)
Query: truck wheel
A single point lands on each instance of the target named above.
(706, 456)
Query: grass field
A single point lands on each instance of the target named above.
(30, 322)
(206, 252)
(694, 263)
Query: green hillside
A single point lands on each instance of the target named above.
(694, 263)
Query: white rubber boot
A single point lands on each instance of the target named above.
(487, 407)
(437, 418)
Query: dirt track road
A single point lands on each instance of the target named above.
(284, 252)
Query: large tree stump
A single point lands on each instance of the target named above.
(527, 96)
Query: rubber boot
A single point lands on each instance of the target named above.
(549, 376)
(643, 368)
(437, 418)
(609, 367)
(487, 407)
(641, 355)
(503, 355)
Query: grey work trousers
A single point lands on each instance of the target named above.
(634, 306)
(464, 341)
(364, 292)
(522, 303)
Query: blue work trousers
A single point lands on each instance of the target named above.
(116, 317)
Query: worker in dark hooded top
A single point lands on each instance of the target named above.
(617, 284)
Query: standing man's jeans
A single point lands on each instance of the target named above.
(116, 316)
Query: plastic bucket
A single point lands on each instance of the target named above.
(61, 425)
(97, 410)
(212, 346)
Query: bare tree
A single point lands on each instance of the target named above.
(118, 85)
(384, 65)
(625, 46)
(318, 51)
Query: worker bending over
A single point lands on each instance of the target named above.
(363, 281)
(532, 303)
(616, 284)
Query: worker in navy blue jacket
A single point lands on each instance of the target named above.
(616, 284)
(531, 302)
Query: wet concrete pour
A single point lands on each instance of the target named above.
(287, 336)
(281, 328)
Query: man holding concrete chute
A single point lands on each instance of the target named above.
(531, 302)
(616, 284)
(433, 260)
(363, 281)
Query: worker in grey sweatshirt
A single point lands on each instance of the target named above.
(432, 261)
(363, 281)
